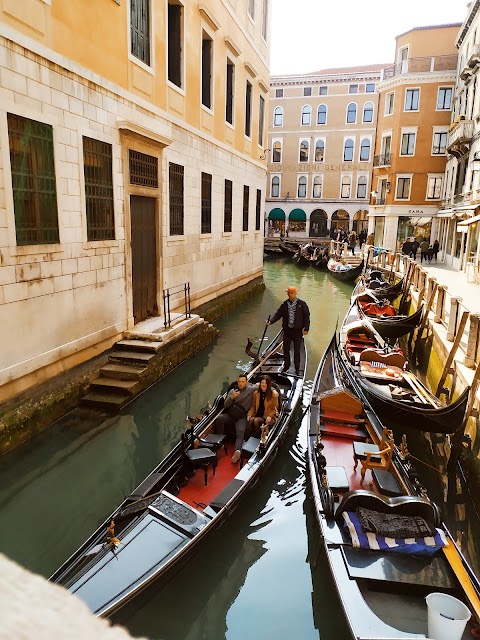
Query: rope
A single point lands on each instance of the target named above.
(425, 463)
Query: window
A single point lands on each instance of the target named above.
(319, 151)
(207, 47)
(408, 144)
(277, 152)
(275, 190)
(251, 8)
(352, 113)
(385, 155)
(175, 187)
(439, 143)
(389, 101)
(323, 91)
(306, 115)
(434, 189)
(370, 87)
(322, 114)
(97, 169)
(365, 150)
(206, 203)
(279, 93)
(345, 189)
(348, 150)
(229, 89)
(304, 151)
(227, 206)
(302, 187)
(403, 188)
(278, 117)
(143, 169)
(307, 91)
(258, 210)
(33, 181)
(362, 187)
(412, 98)
(248, 109)
(265, 19)
(140, 29)
(175, 43)
(261, 118)
(368, 112)
(317, 187)
(246, 197)
(444, 98)
(353, 88)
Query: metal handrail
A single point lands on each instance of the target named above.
(173, 292)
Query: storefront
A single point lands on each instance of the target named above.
(297, 221)
(276, 221)
(379, 230)
(340, 220)
(318, 224)
(410, 227)
(360, 221)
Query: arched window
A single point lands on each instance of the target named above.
(302, 187)
(362, 187)
(278, 117)
(365, 150)
(304, 148)
(317, 187)
(346, 184)
(275, 187)
(306, 115)
(348, 150)
(277, 152)
(368, 112)
(319, 151)
(322, 114)
(352, 113)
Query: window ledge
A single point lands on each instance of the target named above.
(227, 234)
(245, 233)
(206, 236)
(35, 249)
(149, 69)
(174, 240)
(98, 244)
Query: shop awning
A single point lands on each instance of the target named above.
(276, 214)
(466, 223)
(421, 222)
(297, 215)
(445, 214)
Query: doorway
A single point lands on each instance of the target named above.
(144, 257)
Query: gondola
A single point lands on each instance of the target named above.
(302, 259)
(273, 252)
(288, 248)
(344, 272)
(397, 395)
(170, 513)
(381, 577)
(390, 327)
(387, 291)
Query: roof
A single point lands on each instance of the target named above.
(345, 70)
(433, 26)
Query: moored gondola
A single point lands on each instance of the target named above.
(385, 291)
(344, 271)
(289, 248)
(381, 575)
(390, 326)
(167, 516)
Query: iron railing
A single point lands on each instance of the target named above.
(421, 65)
(382, 160)
(174, 296)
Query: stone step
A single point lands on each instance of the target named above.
(140, 345)
(105, 402)
(122, 371)
(114, 385)
(122, 355)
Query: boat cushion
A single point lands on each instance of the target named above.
(361, 539)
(226, 494)
(337, 478)
(386, 482)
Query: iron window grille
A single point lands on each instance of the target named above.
(140, 29)
(261, 118)
(176, 191)
(33, 181)
(207, 71)
(227, 209)
(258, 210)
(248, 110)
(97, 169)
(246, 197)
(206, 203)
(143, 169)
(229, 92)
(174, 46)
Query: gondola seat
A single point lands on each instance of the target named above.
(214, 441)
(201, 458)
(360, 449)
(248, 449)
(386, 483)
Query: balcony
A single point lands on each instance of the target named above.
(460, 137)
(474, 58)
(466, 73)
(429, 64)
(383, 160)
(381, 200)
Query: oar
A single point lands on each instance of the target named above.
(264, 332)
(248, 348)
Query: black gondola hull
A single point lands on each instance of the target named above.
(393, 327)
(349, 275)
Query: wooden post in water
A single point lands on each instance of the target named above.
(447, 369)
(470, 411)
(440, 308)
(473, 341)
(397, 262)
(453, 318)
(426, 311)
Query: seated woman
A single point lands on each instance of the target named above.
(264, 407)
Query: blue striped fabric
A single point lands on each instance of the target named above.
(365, 540)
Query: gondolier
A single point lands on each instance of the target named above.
(295, 316)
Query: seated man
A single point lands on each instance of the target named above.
(237, 404)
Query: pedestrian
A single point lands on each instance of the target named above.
(370, 240)
(436, 248)
(407, 247)
(295, 316)
(287, 232)
(424, 250)
(413, 252)
(352, 241)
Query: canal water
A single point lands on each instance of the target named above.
(262, 574)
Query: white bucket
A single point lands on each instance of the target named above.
(447, 617)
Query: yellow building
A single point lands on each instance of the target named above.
(415, 103)
(131, 145)
(320, 150)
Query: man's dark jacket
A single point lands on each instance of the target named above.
(302, 315)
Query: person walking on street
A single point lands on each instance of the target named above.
(352, 241)
(414, 249)
(295, 316)
(436, 247)
(424, 250)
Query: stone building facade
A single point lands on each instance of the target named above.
(131, 136)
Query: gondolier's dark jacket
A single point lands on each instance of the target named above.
(302, 316)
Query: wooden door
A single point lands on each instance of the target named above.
(144, 257)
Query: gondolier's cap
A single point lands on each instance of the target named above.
(291, 290)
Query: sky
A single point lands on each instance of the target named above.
(309, 35)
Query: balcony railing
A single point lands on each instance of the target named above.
(474, 58)
(427, 64)
(381, 200)
(382, 160)
(459, 137)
